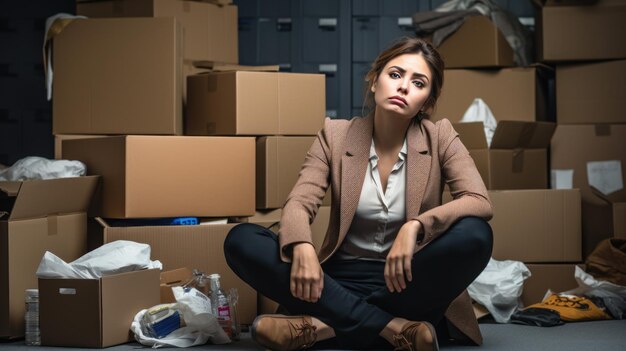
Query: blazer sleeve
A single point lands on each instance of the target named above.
(467, 188)
(307, 194)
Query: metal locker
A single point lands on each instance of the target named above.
(331, 70)
(319, 8)
(248, 41)
(247, 8)
(392, 28)
(320, 40)
(365, 38)
(359, 70)
(399, 7)
(36, 127)
(10, 135)
(274, 41)
(275, 8)
(365, 8)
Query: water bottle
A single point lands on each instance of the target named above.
(220, 305)
(32, 336)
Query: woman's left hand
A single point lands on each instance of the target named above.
(398, 262)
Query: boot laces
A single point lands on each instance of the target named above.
(402, 344)
(303, 334)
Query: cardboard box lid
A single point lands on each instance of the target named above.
(508, 135)
(37, 198)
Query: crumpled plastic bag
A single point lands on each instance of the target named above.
(34, 167)
(613, 295)
(200, 325)
(499, 288)
(113, 258)
(480, 112)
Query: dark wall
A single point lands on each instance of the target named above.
(25, 114)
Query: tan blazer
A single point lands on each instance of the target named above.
(338, 158)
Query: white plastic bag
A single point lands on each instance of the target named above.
(613, 295)
(499, 288)
(201, 326)
(112, 258)
(34, 167)
(480, 112)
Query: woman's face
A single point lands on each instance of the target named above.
(403, 86)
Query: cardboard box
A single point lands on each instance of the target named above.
(37, 216)
(170, 279)
(517, 157)
(536, 225)
(602, 101)
(58, 142)
(558, 277)
(118, 76)
(600, 147)
(619, 220)
(512, 94)
(170, 176)
(255, 103)
(94, 312)
(477, 43)
(210, 31)
(575, 33)
(318, 230)
(278, 163)
(198, 246)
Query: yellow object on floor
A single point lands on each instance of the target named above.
(573, 308)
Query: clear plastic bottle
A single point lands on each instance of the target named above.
(31, 318)
(220, 305)
(233, 300)
(200, 282)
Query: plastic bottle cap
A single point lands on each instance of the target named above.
(32, 292)
(214, 276)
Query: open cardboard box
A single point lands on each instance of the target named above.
(37, 216)
(170, 279)
(94, 312)
(517, 157)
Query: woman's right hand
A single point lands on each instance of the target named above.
(307, 277)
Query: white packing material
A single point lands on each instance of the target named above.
(499, 288)
(113, 258)
(480, 112)
(33, 167)
(200, 325)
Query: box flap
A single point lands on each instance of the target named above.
(472, 134)
(524, 135)
(10, 189)
(37, 198)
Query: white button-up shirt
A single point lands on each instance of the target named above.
(379, 215)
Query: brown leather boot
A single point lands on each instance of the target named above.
(284, 333)
(417, 336)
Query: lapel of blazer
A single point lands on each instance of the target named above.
(418, 169)
(353, 169)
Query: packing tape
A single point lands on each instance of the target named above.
(518, 160)
(53, 224)
(603, 129)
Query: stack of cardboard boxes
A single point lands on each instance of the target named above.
(532, 223)
(587, 152)
(284, 110)
(171, 141)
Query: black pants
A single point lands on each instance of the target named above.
(355, 301)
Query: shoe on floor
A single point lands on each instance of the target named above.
(284, 333)
(417, 336)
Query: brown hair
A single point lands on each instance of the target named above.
(408, 45)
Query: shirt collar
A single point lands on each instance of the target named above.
(401, 155)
